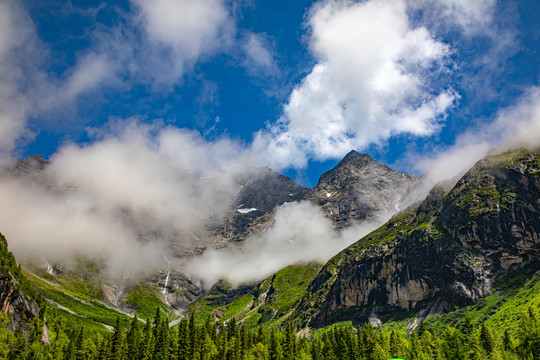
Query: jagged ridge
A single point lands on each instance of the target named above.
(448, 250)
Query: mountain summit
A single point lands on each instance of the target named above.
(449, 250)
(360, 188)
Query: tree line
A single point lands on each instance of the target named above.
(188, 340)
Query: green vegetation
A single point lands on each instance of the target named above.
(501, 312)
(145, 300)
(270, 302)
(73, 301)
(69, 339)
(14, 273)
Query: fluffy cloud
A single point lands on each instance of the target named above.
(374, 78)
(515, 127)
(179, 32)
(157, 42)
(469, 17)
(19, 59)
(124, 199)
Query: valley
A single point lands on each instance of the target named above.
(466, 254)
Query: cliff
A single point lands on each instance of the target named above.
(446, 251)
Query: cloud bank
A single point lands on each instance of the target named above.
(300, 233)
(515, 127)
(124, 200)
(380, 71)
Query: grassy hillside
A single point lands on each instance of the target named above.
(269, 302)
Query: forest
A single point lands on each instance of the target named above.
(67, 338)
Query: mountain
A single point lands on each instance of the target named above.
(468, 253)
(446, 251)
(360, 188)
(473, 247)
(260, 192)
(357, 189)
(29, 166)
(18, 298)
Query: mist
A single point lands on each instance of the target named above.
(123, 199)
(138, 193)
(513, 128)
(300, 233)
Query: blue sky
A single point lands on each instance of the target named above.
(293, 85)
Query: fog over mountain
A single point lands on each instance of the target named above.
(106, 202)
(135, 187)
(131, 200)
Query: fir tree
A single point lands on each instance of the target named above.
(486, 339)
(118, 347)
(133, 338)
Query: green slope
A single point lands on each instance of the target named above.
(269, 302)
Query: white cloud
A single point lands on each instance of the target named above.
(19, 58)
(180, 32)
(470, 17)
(259, 54)
(100, 200)
(516, 127)
(156, 44)
(300, 233)
(373, 80)
(90, 73)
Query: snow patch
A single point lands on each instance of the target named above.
(246, 211)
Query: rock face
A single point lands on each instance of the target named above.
(29, 166)
(449, 249)
(357, 189)
(260, 192)
(360, 188)
(17, 296)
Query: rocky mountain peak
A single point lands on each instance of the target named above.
(359, 188)
(353, 164)
(447, 250)
(31, 165)
(355, 156)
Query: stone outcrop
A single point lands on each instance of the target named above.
(17, 296)
(360, 188)
(260, 192)
(449, 249)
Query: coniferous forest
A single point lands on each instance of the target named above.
(155, 339)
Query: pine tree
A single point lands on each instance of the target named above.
(421, 328)
(289, 345)
(486, 339)
(395, 343)
(316, 349)
(118, 347)
(507, 341)
(79, 344)
(192, 336)
(467, 326)
(156, 322)
(341, 349)
(328, 347)
(133, 338)
(276, 352)
(529, 336)
(184, 344)
(146, 345)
